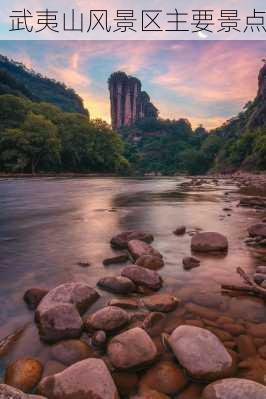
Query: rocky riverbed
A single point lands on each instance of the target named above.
(136, 331)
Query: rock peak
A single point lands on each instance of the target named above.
(128, 103)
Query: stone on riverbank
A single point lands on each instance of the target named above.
(110, 318)
(33, 297)
(132, 348)
(125, 303)
(70, 351)
(180, 230)
(161, 302)
(8, 392)
(189, 262)
(200, 352)
(164, 377)
(234, 388)
(58, 314)
(150, 262)
(86, 379)
(24, 374)
(144, 277)
(138, 248)
(122, 258)
(117, 285)
(121, 240)
(209, 242)
(257, 230)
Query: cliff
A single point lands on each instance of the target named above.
(16, 79)
(128, 103)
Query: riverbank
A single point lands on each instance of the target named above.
(167, 287)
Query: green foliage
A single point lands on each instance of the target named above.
(17, 79)
(40, 137)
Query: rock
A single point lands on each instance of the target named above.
(257, 330)
(200, 352)
(150, 394)
(234, 328)
(150, 262)
(138, 248)
(202, 311)
(209, 242)
(116, 259)
(33, 297)
(99, 339)
(110, 318)
(89, 378)
(161, 302)
(246, 347)
(193, 391)
(259, 278)
(154, 323)
(126, 382)
(142, 349)
(257, 202)
(24, 374)
(125, 303)
(70, 351)
(52, 367)
(164, 377)
(141, 276)
(117, 285)
(261, 270)
(257, 230)
(262, 351)
(58, 314)
(189, 262)
(253, 368)
(8, 392)
(234, 388)
(180, 230)
(121, 240)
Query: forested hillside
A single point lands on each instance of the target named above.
(16, 79)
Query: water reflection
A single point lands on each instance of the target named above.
(47, 226)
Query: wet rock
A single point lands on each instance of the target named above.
(164, 377)
(58, 314)
(8, 392)
(144, 277)
(154, 323)
(116, 259)
(257, 230)
(89, 378)
(259, 278)
(150, 394)
(138, 248)
(117, 285)
(180, 230)
(193, 391)
(161, 302)
(99, 339)
(24, 374)
(70, 351)
(121, 240)
(202, 311)
(196, 323)
(110, 318)
(189, 262)
(262, 351)
(126, 382)
(52, 367)
(234, 328)
(33, 297)
(142, 349)
(125, 303)
(246, 347)
(150, 262)
(257, 330)
(254, 309)
(209, 242)
(261, 270)
(253, 368)
(256, 202)
(234, 388)
(200, 352)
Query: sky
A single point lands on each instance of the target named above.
(206, 82)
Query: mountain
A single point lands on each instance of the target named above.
(17, 79)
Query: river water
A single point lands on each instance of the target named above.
(48, 225)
